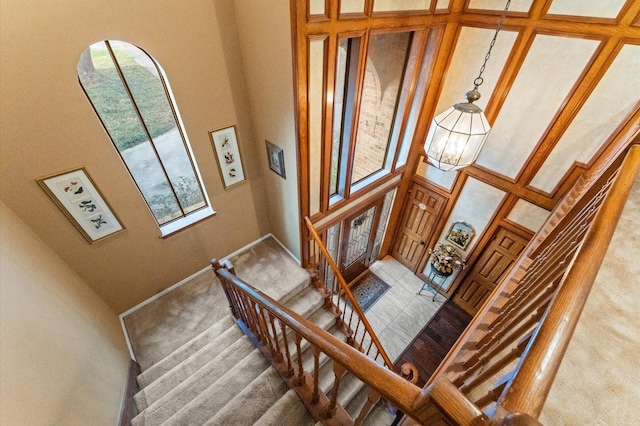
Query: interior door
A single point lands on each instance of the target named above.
(491, 267)
(422, 209)
(357, 241)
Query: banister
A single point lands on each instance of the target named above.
(347, 291)
(532, 382)
(402, 393)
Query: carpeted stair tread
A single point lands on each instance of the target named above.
(379, 411)
(212, 399)
(305, 302)
(184, 351)
(252, 402)
(288, 410)
(379, 416)
(238, 347)
(206, 377)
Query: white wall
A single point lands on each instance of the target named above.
(63, 359)
(264, 30)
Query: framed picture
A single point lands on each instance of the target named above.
(460, 234)
(81, 201)
(225, 145)
(275, 155)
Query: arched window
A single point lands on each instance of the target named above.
(130, 93)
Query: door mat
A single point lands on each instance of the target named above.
(368, 290)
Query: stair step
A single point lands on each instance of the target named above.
(379, 415)
(191, 366)
(288, 410)
(253, 401)
(183, 352)
(306, 302)
(177, 398)
(212, 399)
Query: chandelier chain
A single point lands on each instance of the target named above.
(479, 80)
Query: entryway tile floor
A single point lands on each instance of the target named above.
(401, 313)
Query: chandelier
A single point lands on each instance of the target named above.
(457, 135)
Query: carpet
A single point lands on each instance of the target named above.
(368, 290)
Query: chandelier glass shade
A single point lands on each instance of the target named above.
(456, 137)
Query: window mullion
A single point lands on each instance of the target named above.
(144, 126)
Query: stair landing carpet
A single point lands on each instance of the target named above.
(368, 290)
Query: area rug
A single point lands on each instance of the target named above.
(368, 290)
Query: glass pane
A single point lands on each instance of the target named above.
(346, 72)
(316, 7)
(352, 6)
(598, 9)
(394, 5)
(382, 225)
(149, 94)
(359, 232)
(609, 104)
(386, 58)
(332, 243)
(549, 72)
(316, 78)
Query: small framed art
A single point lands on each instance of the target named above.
(275, 156)
(80, 200)
(225, 145)
(461, 234)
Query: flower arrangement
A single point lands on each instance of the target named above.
(459, 236)
(445, 258)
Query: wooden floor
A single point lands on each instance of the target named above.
(429, 347)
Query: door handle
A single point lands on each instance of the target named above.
(421, 243)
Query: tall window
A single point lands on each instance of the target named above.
(131, 95)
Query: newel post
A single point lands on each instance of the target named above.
(226, 265)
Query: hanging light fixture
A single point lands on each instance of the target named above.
(457, 135)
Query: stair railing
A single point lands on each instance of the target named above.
(282, 336)
(339, 298)
(506, 360)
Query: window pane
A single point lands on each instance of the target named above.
(338, 98)
(149, 94)
(386, 60)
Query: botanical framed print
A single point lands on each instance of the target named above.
(81, 201)
(275, 156)
(461, 234)
(225, 145)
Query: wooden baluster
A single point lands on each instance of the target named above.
(338, 372)
(316, 374)
(301, 380)
(267, 333)
(372, 400)
(276, 339)
(216, 265)
(283, 328)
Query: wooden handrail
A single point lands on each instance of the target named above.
(355, 306)
(423, 405)
(537, 369)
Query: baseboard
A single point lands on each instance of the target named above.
(189, 278)
(128, 407)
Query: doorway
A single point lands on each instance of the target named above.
(494, 263)
(359, 232)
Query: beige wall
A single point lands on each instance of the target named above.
(264, 30)
(48, 126)
(63, 359)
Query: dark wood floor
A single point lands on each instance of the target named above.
(429, 348)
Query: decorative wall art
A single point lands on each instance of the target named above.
(79, 199)
(225, 145)
(275, 155)
(461, 234)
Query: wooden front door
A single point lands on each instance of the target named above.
(421, 211)
(357, 241)
(494, 263)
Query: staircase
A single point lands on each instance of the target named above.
(220, 378)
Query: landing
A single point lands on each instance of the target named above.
(158, 328)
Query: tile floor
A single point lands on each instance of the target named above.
(399, 315)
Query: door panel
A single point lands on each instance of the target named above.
(491, 267)
(358, 241)
(422, 210)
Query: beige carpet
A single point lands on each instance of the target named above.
(157, 329)
(599, 379)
